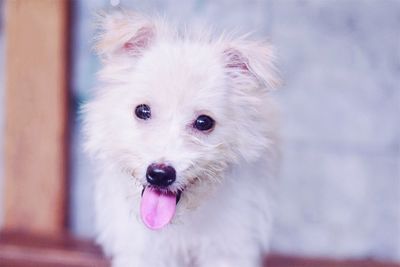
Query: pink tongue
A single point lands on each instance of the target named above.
(157, 208)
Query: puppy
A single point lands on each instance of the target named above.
(183, 130)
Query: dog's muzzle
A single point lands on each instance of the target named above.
(158, 204)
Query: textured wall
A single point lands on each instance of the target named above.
(340, 188)
(340, 182)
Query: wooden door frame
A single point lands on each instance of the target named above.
(36, 116)
(35, 231)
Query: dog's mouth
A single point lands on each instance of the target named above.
(158, 206)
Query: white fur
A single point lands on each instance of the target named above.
(226, 175)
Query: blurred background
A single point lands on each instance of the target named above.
(340, 62)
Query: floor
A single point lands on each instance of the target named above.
(22, 250)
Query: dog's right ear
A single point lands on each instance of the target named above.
(251, 61)
(123, 33)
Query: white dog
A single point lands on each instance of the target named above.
(183, 129)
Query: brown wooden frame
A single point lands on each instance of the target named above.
(35, 231)
(36, 116)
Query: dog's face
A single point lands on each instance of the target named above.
(174, 111)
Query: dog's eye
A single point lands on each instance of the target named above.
(143, 112)
(203, 123)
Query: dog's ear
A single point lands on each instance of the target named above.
(123, 33)
(250, 61)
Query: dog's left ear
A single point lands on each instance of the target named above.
(250, 61)
(124, 33)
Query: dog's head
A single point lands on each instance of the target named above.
(177, 110)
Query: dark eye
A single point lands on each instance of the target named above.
(143, 112)
(203, 123)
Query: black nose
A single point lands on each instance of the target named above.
(160, 175)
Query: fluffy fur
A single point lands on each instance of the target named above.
(223, 218)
